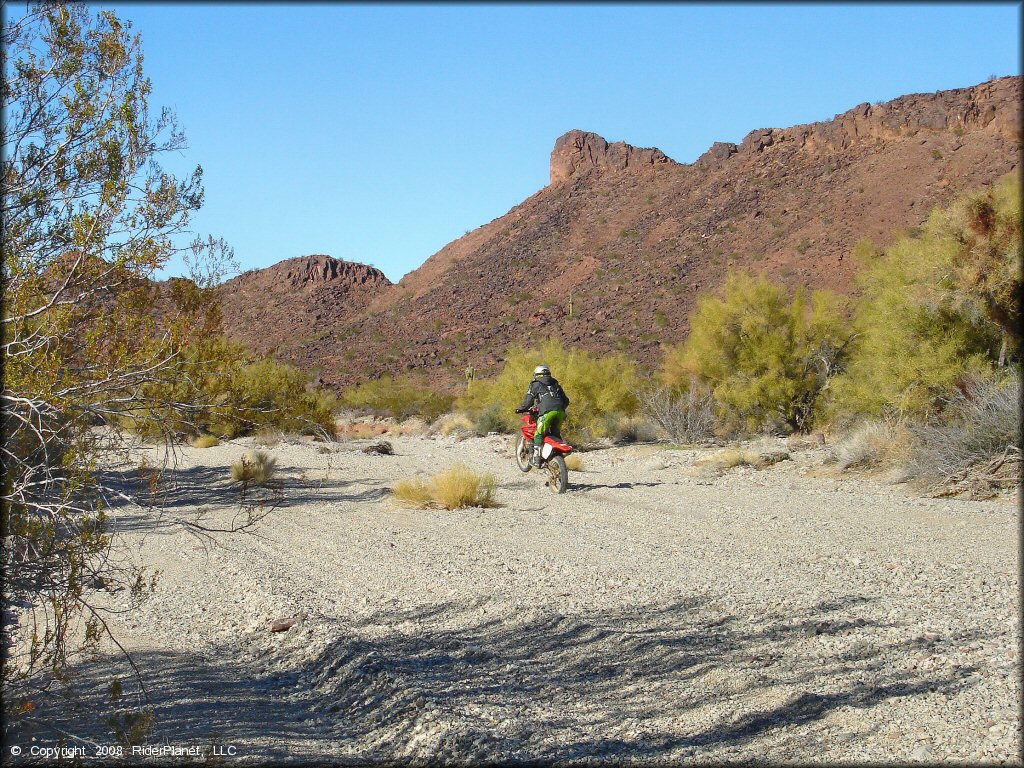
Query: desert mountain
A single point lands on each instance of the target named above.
(288, 305)
(628, 238)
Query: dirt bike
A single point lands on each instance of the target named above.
(552, 453)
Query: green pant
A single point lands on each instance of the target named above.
(549, 422)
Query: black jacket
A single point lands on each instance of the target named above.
(547, 393)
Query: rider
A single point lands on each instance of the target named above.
(547, 394)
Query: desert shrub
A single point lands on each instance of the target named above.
(90, 213)
(981, 422)
(686, 416)
(490, 420)
(222, 388)
(599, 387)
(399, 398)
(873, 443)
(272, 394)
(414, 492)
(205, 441)
(623, 431)
(938, 309)
(626, 430)
(766, 358)
(574, 462)
(454, 488)
(253, 468)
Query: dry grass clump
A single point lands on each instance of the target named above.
(253, 468)
(732, 457)
(413, 493)
(873, 444)
(574, 462)
(206, 441)
(414, 425)
(455, 488)
(268, 436)
(454, 424)
(758, 456)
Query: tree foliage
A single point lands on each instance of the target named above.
(937, 309)
(88, 215)
(399, 398)
(601, 389)
(219, 387)
(767, 357)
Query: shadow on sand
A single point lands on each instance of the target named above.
(659, 683)
(184, 492)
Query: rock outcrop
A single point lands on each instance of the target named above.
(579, 152)
(313, 272)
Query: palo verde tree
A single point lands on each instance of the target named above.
(88, 215)
(766, 357)
(602, 389)
(938, 309)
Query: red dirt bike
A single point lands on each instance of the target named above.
(552, 453)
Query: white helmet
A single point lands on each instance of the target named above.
(541, 370)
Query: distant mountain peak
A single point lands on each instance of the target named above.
(317, 270)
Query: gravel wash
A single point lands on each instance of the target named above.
(656, 612)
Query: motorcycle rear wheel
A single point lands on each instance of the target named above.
(558, 474)
(524, 452)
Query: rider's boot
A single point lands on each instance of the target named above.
(536, 456)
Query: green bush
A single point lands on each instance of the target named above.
(222, 389)
(490, 420)
(938, 309)
(601, 389)
(399, 398)
(765, 357)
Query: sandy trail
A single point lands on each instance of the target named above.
(649, 613)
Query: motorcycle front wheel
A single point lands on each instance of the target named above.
(558, 475)
(524, 451)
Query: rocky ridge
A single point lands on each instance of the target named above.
(288, 304)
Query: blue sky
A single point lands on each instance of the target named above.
(381, 133)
